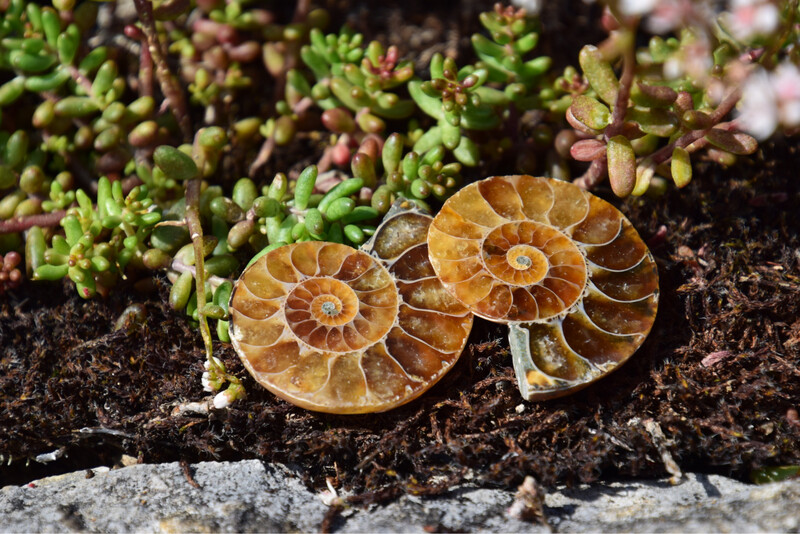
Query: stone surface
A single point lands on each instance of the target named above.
(252, 496)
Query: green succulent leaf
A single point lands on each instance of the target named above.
(174, 163)
(656, 121)
(429, 105)
(681, 167)
(599, 73)
(467, 152)
(591, 112)
(429, 140)
(304, 187)
(621, 165)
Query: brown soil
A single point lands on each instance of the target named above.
(719, 374)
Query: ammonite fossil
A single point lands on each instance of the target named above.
(565, 269)
(334, 329)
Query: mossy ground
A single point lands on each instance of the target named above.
(719, 374)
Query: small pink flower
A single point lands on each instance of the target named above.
(786, 80)
(532, 7)
(758, 109)
(693, 60)
(786, 83)
(751, 18)
(664, 16)
(670, 15)
(770, 99)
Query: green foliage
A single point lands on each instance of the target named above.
(369, 83)
(513, 36)
(349, 77)
(100, 240)
(453, 99)
(666, 118)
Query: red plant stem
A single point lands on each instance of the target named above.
(169, 85)
(19, 224)
(263, 155)
(665, 153)
(702, 142)
(80, 79)
(145, 71)
(624, 92)
(593, 175)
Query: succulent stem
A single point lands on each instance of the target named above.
(169, 85)
(725, 107)
(19, 224)
(196, 233)
(624, 92)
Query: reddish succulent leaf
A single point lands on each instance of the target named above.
(578, 125)
(588, 150)
(631, 130)
(697, 120)
(734, 142)
(338, 120)
(653, 95)
(684, 102)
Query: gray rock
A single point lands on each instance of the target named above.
(252, 496)
(233, 497)
(701, 503)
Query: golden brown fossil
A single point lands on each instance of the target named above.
(334, 329)
(564, 269)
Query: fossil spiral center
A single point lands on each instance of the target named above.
(528, 253)
(328, 301)
(331, 307)
(529, 259)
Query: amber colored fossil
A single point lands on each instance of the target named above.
(335, 329)
(564, 269)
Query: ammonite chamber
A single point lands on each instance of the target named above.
(565, 269)
(334, 329)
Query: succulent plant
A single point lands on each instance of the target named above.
(100, 241)
(349, 77)
(10, 275)
(513, 36)
(459, 102)
(634, 125)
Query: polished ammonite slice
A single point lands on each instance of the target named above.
(565, 269)
(334, 329)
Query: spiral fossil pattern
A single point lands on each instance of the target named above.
(564, 269)
(334, 329)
